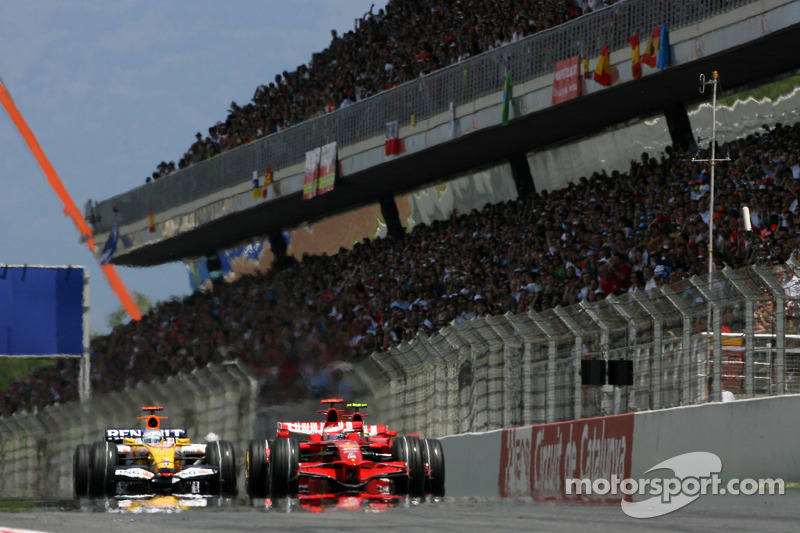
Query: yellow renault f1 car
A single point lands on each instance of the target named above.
(153, 460)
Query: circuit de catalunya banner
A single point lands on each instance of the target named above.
(536, 460)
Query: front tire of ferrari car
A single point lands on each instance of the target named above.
(409, 451)
(257, 469)
(103, 458)
(433, 454)
(284, 464)
(221, 454)
(80, 471)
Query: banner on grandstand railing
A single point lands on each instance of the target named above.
(327, 168)
(565, 80)
(311, 177)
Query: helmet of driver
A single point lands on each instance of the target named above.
(152, 437)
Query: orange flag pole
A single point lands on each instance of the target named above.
(70, 209)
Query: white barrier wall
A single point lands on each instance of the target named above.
(753, 438)
(472, 466)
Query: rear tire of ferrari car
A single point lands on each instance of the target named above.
(409, 451)
(102, 458)
(220, 454)
(257, 469)
(284, 464)
(433, 454)
(80, 470)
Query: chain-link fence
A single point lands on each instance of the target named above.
(427, 97)
(36, 450)
(704, 338)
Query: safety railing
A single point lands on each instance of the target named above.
(461, 83)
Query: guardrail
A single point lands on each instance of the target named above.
(427, 97)
(513, 370)
(36, 450)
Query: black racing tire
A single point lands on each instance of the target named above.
(80, 470)
(103, 458)
(284, 467)
(433, 454)
(409, 451)
(220, 453)
(257, 469)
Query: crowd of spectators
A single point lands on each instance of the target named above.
(406, 40)
(296, 325)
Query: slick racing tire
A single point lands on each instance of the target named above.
(220, 454)
(80, 470)
(284, 466)
(102, 458)
(257, 469)
(409, 451)
(433, 454)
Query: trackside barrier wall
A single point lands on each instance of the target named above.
(753, 438)
(509, 370)
(36, 450)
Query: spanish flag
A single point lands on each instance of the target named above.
(650, 56)
(151, 221)
(587, 74)
(602, 74)
(636, 62)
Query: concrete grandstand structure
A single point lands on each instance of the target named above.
(208, 207)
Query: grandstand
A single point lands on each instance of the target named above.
(300, 326)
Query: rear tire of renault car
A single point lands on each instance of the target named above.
(257, 469)
(102, 458)
(409, 451)
(220, 454)
(433, 454)
(284, 466)
(80, 471)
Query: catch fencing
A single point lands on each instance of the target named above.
(36, 450)
(513, 370)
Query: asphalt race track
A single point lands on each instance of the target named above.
(740, 513)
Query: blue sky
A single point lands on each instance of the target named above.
(110, 89)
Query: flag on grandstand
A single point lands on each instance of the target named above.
(392, 144)
(413, 119)
(506, 97)
(151, 221)
(311, 176)
(636, 61)
(256, 186)
(111, 246)
(327, 168)
(452, 123)
(650, 57)
(268, 177)
(663, 48)
(587, 74)
(602, 74)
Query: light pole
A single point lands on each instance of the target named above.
(713, 162)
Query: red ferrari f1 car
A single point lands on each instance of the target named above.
(343, 456)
